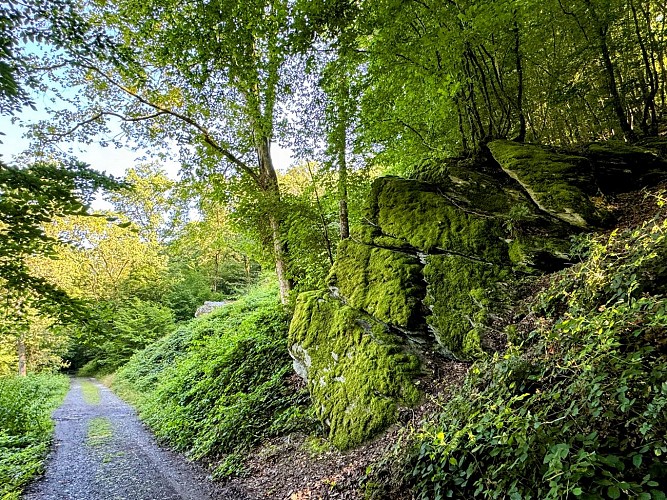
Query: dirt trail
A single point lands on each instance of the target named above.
(102, 452)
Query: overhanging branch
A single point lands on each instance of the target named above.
(162, 110)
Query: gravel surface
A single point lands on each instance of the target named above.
(102, 451)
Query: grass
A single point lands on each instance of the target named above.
(91, 393)
(99, 431)
(26, 427)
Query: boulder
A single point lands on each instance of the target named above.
(385, 283)
(358, 370)
(209, 307)
(559, 184)
(433, 265)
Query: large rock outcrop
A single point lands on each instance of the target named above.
(433, 264)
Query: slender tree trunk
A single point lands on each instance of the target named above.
(269, 184)
(323, 220)
(23, 361)
(616, 101)
(610, 76)
(342, 177)
(519, 71)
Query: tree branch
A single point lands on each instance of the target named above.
(206, 135)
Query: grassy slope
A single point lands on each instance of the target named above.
(26, 427)
(219, 384)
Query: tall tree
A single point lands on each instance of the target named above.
(208, 76)
(152, 202)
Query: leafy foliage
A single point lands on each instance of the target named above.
(32, 197)
(578, 407)
(26, 404)
(219, 384)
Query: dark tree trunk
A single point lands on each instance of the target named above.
(610, 77)
(519, 94)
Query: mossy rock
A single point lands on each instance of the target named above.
(531, 253)
(386, 284)
(462, 293)
(358, 371)
(417, 213)
(559, 184)
(620, 167)
(465, 186)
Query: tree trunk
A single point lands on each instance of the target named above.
(610, 76)
(269, 185)
(342, 177)
(519, 94)
(23, 362)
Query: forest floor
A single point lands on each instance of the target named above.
(297, 467)
(102, 451)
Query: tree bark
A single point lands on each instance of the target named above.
(23, 361)
(269, 185)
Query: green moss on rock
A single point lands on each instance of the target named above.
(461, 293)
(559, 184)
(386, 284)
(462, 182)
(421, 215)
(358, 371)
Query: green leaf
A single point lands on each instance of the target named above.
(613, 492)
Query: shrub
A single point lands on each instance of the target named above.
(26, 404)
(219, 384)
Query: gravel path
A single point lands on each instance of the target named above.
(102, 452)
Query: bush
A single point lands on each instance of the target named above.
(578, 408)
(26, 404)
(123, 329)
(219, 384)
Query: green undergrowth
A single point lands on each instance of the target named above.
(577, 408)
(26, 427)
(219, 384)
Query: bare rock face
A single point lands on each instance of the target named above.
(209, 307)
